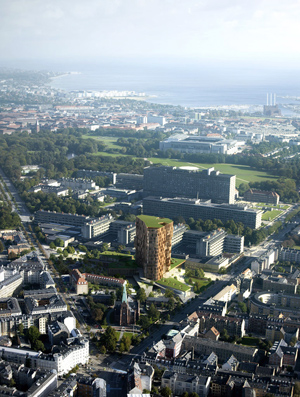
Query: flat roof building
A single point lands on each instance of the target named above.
(192, 183)
(187, 208)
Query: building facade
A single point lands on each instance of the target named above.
(261, 196)
(191, 183)
(193, 208)
(153, 243)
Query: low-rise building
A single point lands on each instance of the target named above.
(262, 196)
(63, 359)
(79, 282)
(180, 383)
(222, 349)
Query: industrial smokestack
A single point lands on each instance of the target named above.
(267, 99)
(271, 99)
(274, 99)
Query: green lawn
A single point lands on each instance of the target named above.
(296, 247)
(114, 253)
(279, 206)
(154, 221)
(270, 215)
(204, 281)
(176, 262)
(129, 334)
(109, 141)
(171, 282)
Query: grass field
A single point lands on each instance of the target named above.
(171, 282)
(203, 281)
(109, 141)
(270, 215)
(129, 334)
(244, 174)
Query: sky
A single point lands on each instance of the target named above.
(253, 32)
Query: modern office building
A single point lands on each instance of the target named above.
(129, 181)
(199, 144)
(178, 232)
(233, 244)
(42, 216)
(211, 244)
(127, 234)
(96, 227)
(197, 209)
(189, 182)
(153, 244)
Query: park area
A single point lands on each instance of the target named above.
(244, 174)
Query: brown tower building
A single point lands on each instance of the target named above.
(153, 243)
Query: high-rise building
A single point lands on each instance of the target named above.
(153, 243)
(189, 182)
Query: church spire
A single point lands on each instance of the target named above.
(124, 296)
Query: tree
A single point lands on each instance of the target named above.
(243, 307)
(121, 348)
(166, 392)
(141, 295)
(52, 245)
(103, 350)
(109, 339)
(33, 334)
(153, 312)
(1, 247)
(144, 322)
(98, 314)
(104, 247)
(21, 328)
(39, 346)
(169, 293)
(59, 242)
(127, 342)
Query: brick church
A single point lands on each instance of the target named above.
(127, 311)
